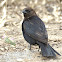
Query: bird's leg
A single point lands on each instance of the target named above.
(39, 48)
(29, 46)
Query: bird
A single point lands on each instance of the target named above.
(34, 32)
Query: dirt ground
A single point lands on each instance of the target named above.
(21, 52)
(13, 30)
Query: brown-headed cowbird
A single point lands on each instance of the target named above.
(34, 32)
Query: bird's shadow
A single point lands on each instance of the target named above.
(48, 58)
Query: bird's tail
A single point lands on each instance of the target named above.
(47, 50)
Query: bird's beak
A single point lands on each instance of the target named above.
(24, 12)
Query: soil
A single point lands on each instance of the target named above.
(13, 30)
(21, 52)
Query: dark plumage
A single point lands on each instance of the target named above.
(34, 32)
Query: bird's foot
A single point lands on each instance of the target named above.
(29, 46)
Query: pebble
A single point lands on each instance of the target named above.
(2, 49)
(20, 60)
(6, 48)
(12, 46)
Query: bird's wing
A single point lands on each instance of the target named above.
(36, 30)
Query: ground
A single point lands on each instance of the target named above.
(21, 52)
(49, 12)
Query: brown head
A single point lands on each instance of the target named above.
(28, 12)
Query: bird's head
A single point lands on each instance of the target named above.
(28, 12)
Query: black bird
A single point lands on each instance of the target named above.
(34, 32)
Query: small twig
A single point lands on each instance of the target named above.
(2, 21)
(2, 4)
(18, 14)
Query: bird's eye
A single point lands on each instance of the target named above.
(27, 10)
